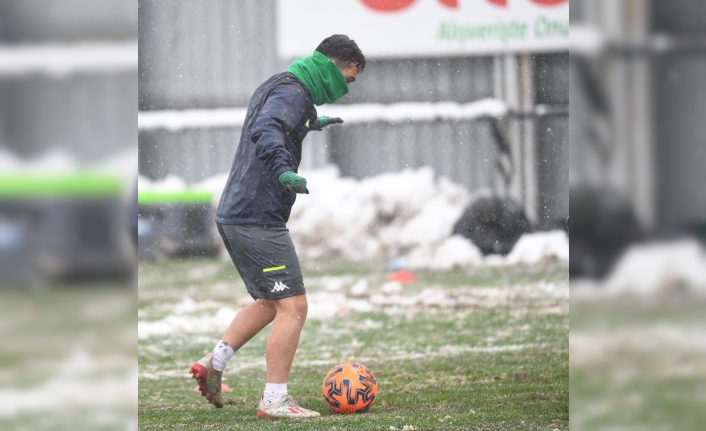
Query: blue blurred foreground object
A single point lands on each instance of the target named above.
(61, 228)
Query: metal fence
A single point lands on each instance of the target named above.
(88, 113)
(637, 106)
(204, 54)
(211, 54)
(464, 151)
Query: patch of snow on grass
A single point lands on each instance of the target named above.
(177, 323)
(82, 381)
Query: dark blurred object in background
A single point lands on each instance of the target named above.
(603, 225)
(176, 224)
(493, 223)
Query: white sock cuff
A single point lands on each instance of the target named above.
(222, 345)
(221, 355)
(273, 392)
(276, 388)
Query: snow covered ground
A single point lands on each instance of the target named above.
(192, 317)
(651, 270)
(637, 342)
(407, 216)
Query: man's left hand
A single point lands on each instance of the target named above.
(322, 122)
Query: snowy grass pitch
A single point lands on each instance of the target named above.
(68, 358)
(468, 349)
(638, 362)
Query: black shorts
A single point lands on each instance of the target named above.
(265, 259)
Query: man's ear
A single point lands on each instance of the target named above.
(338, 63)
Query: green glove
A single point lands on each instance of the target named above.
(293, 182)
(322, 122)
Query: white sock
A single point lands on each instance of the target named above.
(221, 355)
(273, 392)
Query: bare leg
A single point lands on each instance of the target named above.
(284, 337)
(248, 322)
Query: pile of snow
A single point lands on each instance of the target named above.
(383, 216)
(651, 270)
(453, 252)
(533, 248)
(122, 165)
(53, 161)
(171, 183)
(408, 214)
(659, 267)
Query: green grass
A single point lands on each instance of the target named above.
(68, 358)
(638, 362)
(449, 367)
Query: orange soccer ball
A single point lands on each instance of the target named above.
(350, 387)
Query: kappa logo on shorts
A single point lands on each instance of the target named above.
(279, 286)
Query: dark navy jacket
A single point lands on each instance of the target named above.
(278, 118)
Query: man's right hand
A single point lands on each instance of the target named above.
(293, 182)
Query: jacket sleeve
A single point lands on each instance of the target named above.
(281, 113)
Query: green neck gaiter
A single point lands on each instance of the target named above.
(320, 76)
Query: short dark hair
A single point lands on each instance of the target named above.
(343, 51)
